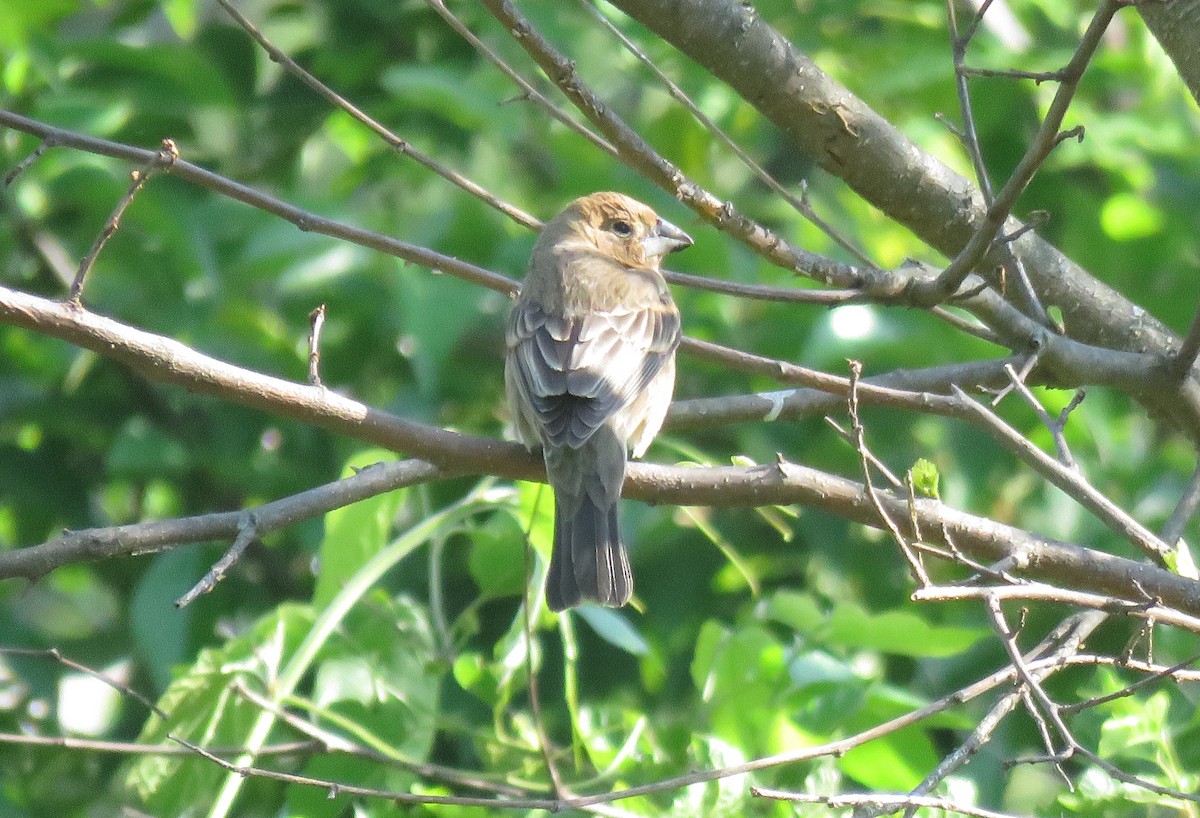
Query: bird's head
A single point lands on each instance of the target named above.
(619, 227)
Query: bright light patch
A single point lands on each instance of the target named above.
(853, 322)
(88, 706)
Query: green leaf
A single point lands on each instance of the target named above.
(614, 628)
(896, 762)
(382, 674)
(475, 676)
(925, 478)
(181, 14)
(903, 633)
(201, 707)
(798, 611)
(355, 533)
(1136, 730)
(496, 559)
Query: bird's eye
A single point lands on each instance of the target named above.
(621, 228)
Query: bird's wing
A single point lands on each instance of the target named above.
(578, 372)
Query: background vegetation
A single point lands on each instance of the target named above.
(392, 631)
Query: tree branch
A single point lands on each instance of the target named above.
(164, 360)
(853, 142)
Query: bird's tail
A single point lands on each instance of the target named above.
(589, 561)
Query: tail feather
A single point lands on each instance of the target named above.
(589, 561)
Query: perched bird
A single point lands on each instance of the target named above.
(589, 372)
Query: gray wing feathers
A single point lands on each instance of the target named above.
(578, 372)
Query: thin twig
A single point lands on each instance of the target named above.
(970, 138)
(335, 743)
(1027, 366)
(1047, 137)
(1158, 675)
(398, 144)
(527, 89)
(1032, 687)
(303, 219)
(1033, 220)
(760, 292)
(316, 322)
(1185, 359)
(893, 802)
(865, 458)
(1149, 610)
(24, 164)
(165, 158)
(1015, 73)
(247, 533)
(968, 134)
(1070, 482)
(286, 748)
(1189, 501)
(848, 436)
(1056, 426)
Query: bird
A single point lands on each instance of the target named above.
(589, 375)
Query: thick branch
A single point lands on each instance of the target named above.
(162, 359)
(1176, 26)
(94, 544)
(853, 142)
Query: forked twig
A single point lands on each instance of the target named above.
(165, 158)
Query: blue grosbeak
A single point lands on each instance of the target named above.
(589, 373)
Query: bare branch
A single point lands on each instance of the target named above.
(1147, 609)
(306, 221)
(639, 156)
(316, 321)
(24, 164)
(400, 145)
(1071, 482)
(893, 802)
(163, 160)
(1171, 672)
(1047, 137)
(858, 440)
(95, 544)
(247, 533)
(448, 452)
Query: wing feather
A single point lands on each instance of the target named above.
(577, 372)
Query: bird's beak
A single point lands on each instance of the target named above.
(665, 238)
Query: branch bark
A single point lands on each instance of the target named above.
(853, 142)
(164, 360)
(1176, 26)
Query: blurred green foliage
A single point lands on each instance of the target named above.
(429, 664)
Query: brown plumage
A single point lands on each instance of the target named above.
(589, 372)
